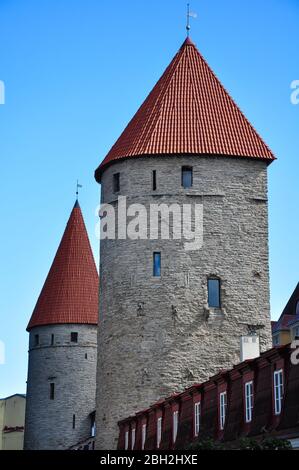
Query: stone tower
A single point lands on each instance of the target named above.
(63, 346)
(171, 317)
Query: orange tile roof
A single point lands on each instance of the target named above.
(70, 292)
(188, 112)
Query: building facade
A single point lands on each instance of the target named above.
(171, 316)
(63, 346)
(12, 419)
(256, 399)
(286, 329)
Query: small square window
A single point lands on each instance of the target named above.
(74, 337)
(187, 176)
(116, 182)
(214, 293)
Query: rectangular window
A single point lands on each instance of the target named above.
(175, 423)
(74, 337)
(74, 421)
(133, 437)
(214, 293)
(126, 440)
(52, 340)
(154, 180)
(296, 332)
(248, 401)
(159, 432)
(278, 391)
(276, 340)
(116, 182)
(36, 340)
(52, 391)
(157, 264)
(197, 416)
(223, 406)
(143, 436)
(187, 177)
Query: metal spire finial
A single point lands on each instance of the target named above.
(77, 189)
(190, 14)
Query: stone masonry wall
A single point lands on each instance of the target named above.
(72, 367)
(157, 335)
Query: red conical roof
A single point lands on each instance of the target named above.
(70, 292)
(188, 112)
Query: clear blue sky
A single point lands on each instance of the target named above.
(75, 72)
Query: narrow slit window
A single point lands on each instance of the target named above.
(157, 264)
(214, 293)
(52, 391)
(154, 180)
(74, 421)
(36, 340)
(116, 182)
(52, 340)
(187, 176)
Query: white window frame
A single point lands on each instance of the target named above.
(159, 431)
(278, 391)
(222, 409)
(249, 397)
(126, 440)
(143, 436)
(133, 438)
(197, 415)
(175, 425)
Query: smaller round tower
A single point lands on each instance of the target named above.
(63, 346)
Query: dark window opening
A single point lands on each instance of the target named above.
(187, 176)
(154, 180)
(52, 391)
(93, 424)
(297, 308)
(157, 264)
(116, 182)
(52, 340)
(74, 421)
(85, 355)
(74, 337)
(214, 293)
(36, 340)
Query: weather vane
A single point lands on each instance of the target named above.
(77, 189)
(190, 14)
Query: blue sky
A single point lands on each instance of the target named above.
(75, 72)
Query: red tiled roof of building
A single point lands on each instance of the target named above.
(70, 292)
(188, 112)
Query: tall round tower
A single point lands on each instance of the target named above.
(172, 315)
(61, 381)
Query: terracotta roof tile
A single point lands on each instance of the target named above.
(188, 112)
(70, 292)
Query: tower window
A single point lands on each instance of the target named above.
(187, 176)
(36, 340)
(74, 337)
(154, 180)
(214, 293)
(116, 182)
(157, 264)
(52, 391)
(52, 340)
(74, 421)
